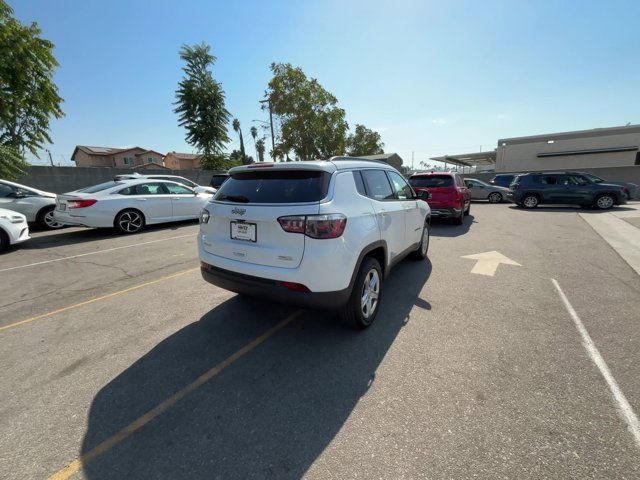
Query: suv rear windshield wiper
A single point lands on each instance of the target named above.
(234, 198)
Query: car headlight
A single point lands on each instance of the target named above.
(204, 216)
(12, 218)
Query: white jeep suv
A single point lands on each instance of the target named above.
(319, 234)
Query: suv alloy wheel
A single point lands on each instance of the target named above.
(604, 202)
(530, 201)
(362, 307)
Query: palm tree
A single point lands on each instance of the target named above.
(254, 134)
(238, 130)
(260, 149)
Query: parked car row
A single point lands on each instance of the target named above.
(127, 203)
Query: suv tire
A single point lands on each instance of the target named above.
(423, 248)
(605, 202)
(468, 208)
(530, 200)
(459, 220)
(368, 283)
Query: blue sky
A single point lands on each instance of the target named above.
(433, 77)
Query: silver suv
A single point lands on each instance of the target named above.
(319, 234)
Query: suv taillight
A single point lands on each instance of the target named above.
(315, 226)
(81, 203)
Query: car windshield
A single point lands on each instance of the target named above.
(100, 187)
(276, 186)
(431, 181)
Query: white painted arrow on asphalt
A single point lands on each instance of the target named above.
(487, 262)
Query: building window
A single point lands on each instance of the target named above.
(127, 160)
(152, 160)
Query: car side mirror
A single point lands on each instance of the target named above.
(423, 195)
(19, 195)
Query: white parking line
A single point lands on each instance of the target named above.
(626, 412)
(96, 252)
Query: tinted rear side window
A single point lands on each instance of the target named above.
(275, 186)
(378, 185)
(432, 181)
(357, 177)
(218, 180)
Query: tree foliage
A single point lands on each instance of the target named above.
(311, 123)
(12, 164)
(200, 105)
(364, 141)
(28, 95)
(260, 149)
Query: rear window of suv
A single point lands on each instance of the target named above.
(432, 181)
(275, 186)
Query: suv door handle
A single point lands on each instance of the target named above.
(175, 198)
(141, 199)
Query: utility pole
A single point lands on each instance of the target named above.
(412, 167)
(273, 142)
(50, 159)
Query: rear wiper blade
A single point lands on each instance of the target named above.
(235, 198)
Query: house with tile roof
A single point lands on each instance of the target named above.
(130, 157)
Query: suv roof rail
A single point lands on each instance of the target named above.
(360, 159)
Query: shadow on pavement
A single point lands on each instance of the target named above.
(443, 227)
(63, 237)
(268, 415)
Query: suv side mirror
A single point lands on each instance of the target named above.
(423, 195)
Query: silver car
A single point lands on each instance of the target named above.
(34, 204)
(485, 191)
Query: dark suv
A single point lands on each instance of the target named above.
(531, 189)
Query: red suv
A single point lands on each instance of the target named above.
(450, 198)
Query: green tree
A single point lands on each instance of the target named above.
(12, 164)
(364, 142)
(200, 105)
(238, 130)
(311, 123)
(28, 96)
(254, 134)
(260, 148)
(236, 157)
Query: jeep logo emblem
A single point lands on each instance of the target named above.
(239, 211)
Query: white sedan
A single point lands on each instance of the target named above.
(34, 204)
(13, 228)
(129, 205)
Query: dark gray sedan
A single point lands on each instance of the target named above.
(485, 191)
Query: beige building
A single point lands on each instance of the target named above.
(182, 161)
(599, 147)
(85, 156)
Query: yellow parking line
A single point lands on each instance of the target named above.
(140, 422)
(95, 299)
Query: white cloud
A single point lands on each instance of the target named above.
(439, 121)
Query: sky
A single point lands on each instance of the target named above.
(433, 77)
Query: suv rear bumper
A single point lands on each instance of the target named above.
(444, 212)
(272, 290)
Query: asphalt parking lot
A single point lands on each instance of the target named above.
(119, 361)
